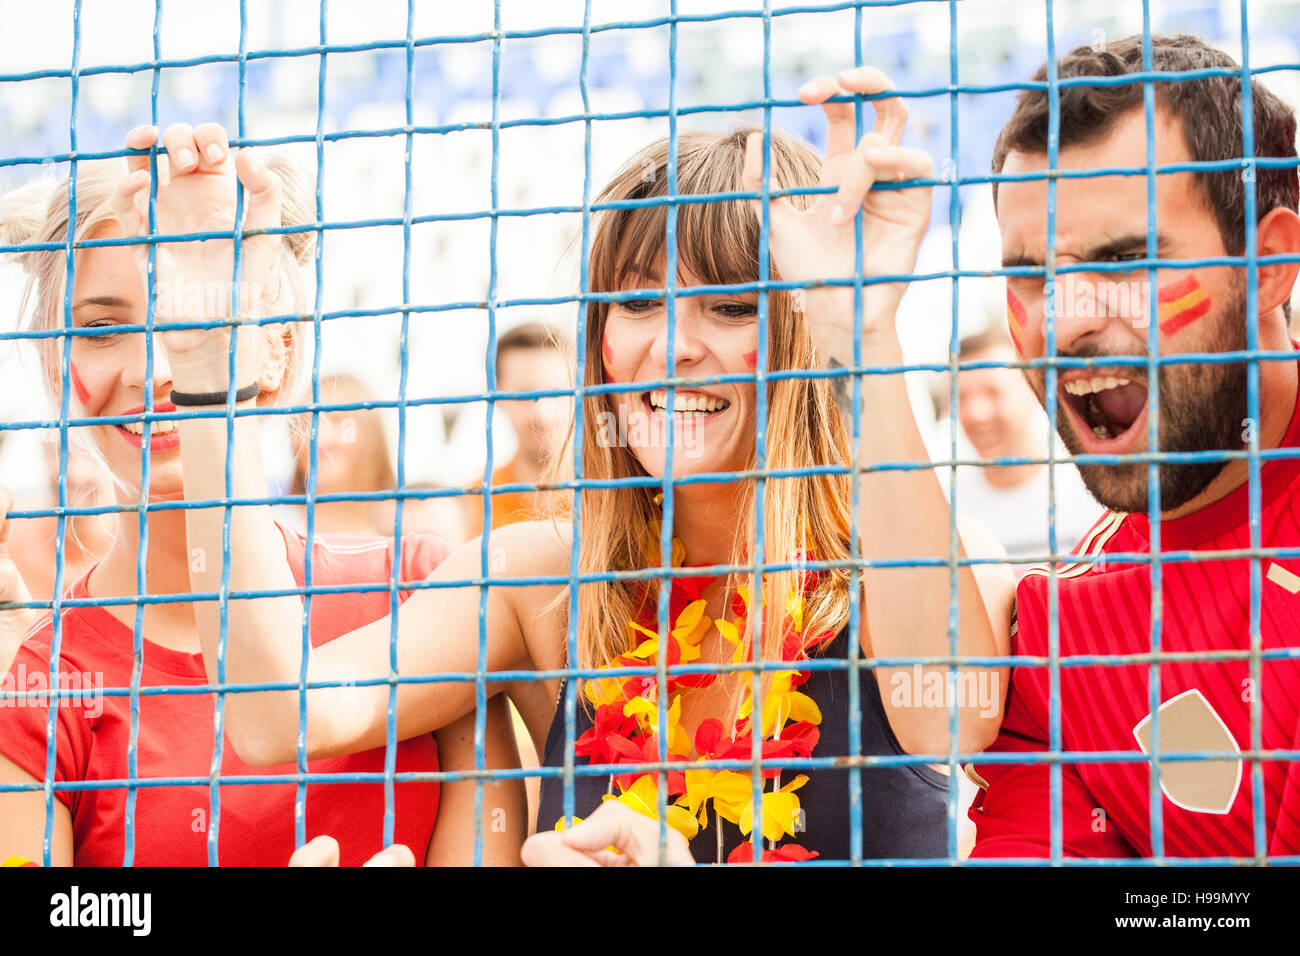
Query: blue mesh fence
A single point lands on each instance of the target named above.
(963, 152)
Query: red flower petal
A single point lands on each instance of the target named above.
(742, 854)
(623, 747)
(803, 737)
(695, 680)
(638, 686)
(737, 604)
(707, 735)
(790, 853)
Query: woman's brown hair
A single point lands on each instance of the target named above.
(807, 515)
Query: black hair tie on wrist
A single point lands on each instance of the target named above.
(216, 398)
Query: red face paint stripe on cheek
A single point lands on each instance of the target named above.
(607, 354)
(1016, 319)
(77, 386)
(1180, 304)
(751, 359)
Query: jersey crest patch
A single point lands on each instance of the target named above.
(1188, 724)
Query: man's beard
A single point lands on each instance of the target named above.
(1202, 408)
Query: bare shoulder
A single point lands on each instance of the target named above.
(529, 548)
(536, 549)
(526, 549)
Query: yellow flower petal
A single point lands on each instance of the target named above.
(643, 797)
(683, 821)
(636, 629)
(731, 792)
(746, 706)
(642, 707)
(743, 591)
(689, 619)
(689, 652)
(779, 812)
(603, 690)
(730, 633)
(645, 650)
(698, 784)
(794, 784)
(803, 707)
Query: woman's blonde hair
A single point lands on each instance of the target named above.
(372, 453)
(38, 213)
(806, 515)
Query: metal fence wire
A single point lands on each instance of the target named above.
(953, 177)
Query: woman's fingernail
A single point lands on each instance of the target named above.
(213, 152)
(808, 89)
(185, 157)
(837, 215)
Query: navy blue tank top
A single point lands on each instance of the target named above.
(904, 809)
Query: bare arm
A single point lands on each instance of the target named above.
(22, 820)
(505, 805)
(903, 514)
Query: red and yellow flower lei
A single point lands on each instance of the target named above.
(625, 723)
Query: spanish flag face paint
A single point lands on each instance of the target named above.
(750, 359)
(1017, 319)
(1181, 303)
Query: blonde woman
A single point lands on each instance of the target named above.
(106, 737)
(903, 515)
(351, 457)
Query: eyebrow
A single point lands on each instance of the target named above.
(1120, 245)
(108, 301)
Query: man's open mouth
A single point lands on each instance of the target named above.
(1108, 405)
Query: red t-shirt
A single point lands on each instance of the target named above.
(1105, 608)
(176, 734)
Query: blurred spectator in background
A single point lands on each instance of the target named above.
(351, 456)
(32, 541)
(441, 515)
(530, 358)
(1002, 419)
(533, 357)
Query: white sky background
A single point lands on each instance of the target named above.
(538, 166)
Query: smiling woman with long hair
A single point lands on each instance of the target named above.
(806, 518)
(147, 736)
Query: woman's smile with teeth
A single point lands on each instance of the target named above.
(689, 402)
(155, 428)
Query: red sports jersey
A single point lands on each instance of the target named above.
(1105, 608)
(175, 734)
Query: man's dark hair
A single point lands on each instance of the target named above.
(1208, 109)
(533, 336)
